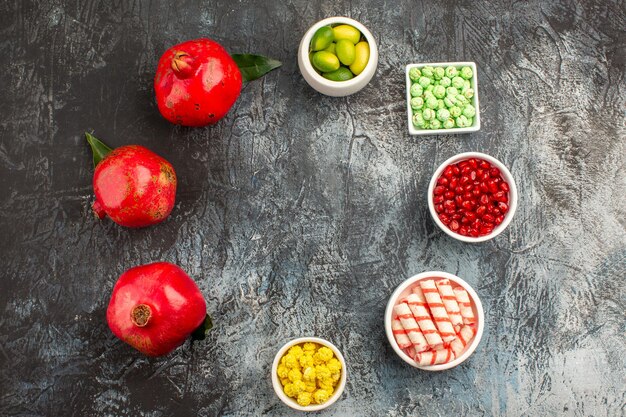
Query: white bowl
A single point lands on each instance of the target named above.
(336, 88)
(474, 128)
(402, 291)
(506, 175)
(278, 388)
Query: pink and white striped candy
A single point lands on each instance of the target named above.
(434, 357)
(400, 334)
(410, 326)
(438, 310)
(464, 337)
(418, 306)
(465, 305)
(450, 303)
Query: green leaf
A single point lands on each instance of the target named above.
(254, 66)
(99, 149)
(202, 330)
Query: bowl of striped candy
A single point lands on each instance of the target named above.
(434, 321)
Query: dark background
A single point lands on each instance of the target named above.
(298, 214)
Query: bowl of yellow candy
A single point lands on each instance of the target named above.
(309, 374)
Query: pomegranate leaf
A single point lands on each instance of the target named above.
(202, 330)
(99, 149)
(254, 66)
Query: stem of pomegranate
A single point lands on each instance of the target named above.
(141, 315)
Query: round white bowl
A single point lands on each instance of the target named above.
(336, 88)
(478, 313)
(278, 388)
(506, 175)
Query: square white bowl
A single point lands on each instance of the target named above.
(474, 128)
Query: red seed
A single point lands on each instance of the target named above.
(504, 186)
(496, 212)
(471, 216)
(484, 176)
(464, 180)
(465, 220)
(488, 218)
(494, 172)
(503, 207)
(499, 219)
(484, 164)
(485, 230)
(454, 225)
(439, 208)
(476, 192)
(466, 170)
(458, 190)
(481, 210)
(463, 230)
(449, 205)
(454, 182)
(467, 205)
(483, 187)
(468, 187)
(449, 195)
(438, 190)
(499, 196)
(474, 232)
(473, 163)
(438, 199)
(445, 219)
(493, 186)
(458, 199)
(462, 165)
(448, 172)
(450, 211)
(455, 170)
(472, 175)
(456, 216)
(467, 196)
(479, 172)
(484, 199)
(442, 181)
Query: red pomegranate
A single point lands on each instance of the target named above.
(134, 186)
(196, 83)
(155, 307)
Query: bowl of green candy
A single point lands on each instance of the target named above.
(338, 56)
(442, 98)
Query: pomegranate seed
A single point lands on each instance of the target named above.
(439, 208)
(458, 190)
(481, 210)
(499, 219)
(473, 175)
(466, 170)
(464, 180)
(485, 165)
(476, 192)
(493, 186)
(474, 232)
(454, 225)
(503, 207)
(463, 230)
(445, 219)
(484, 176)
(438, 199)
(448, 172)
(471, 216)
(462, 165)
(488, 218)
(499, 196)
(458, 199)
(494, 172)
(456, 216)
(468, 188)
(454, 182)
(483, 187)
(496, 212)
(467, 205)
(485, 230)
(498, 180)
(484, 199)
(450, 211)
(449, 205)
(467, 196)
(504, 186)
(438, 190)
(473, 163)
(449, 195)
(442, 181)
(479, 172)
(455, 170)
(465, 220)
(490, 209)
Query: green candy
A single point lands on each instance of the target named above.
(427, 72)
(469, 111)
(428, 93)
(449, 101)
(451, 72)
(448, 124)
(418, 120)
(428, 114)
(431, 103)
(468, 93)
(461, 99)
(440, 104)
(467, 73)
(458, 82)
(443, 115)
(346, 52)
(445, 81)
(416, 90)
(424, 81)
(322, 38)
(462, 121)
(341, 74)
(415, 74)
(430, 88)
(439, 91)
(470, 121)
(325, 61)
(417, 103)
(451, 92)
(455, 111)
(438, 73)
(435, 124)
(467, 84)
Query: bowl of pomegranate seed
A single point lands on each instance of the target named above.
(472, 197)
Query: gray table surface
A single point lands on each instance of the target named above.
(298, 214)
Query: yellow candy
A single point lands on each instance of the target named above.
(291, 361)
(336, 376)
(334, 365)
(323, 355)
(290, 390)
(310, 387)
(322, 372)
(296, 351)
(295, 375)
(362, 56)
(282, 371)
(309, 374)
(306, 360)
(299, 386)
(304, 398)
(321, 396)
(309, 346)
(328, 382)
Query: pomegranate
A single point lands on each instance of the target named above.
(155, 307)
(134, 186)
(197, 81)
(471, 197)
